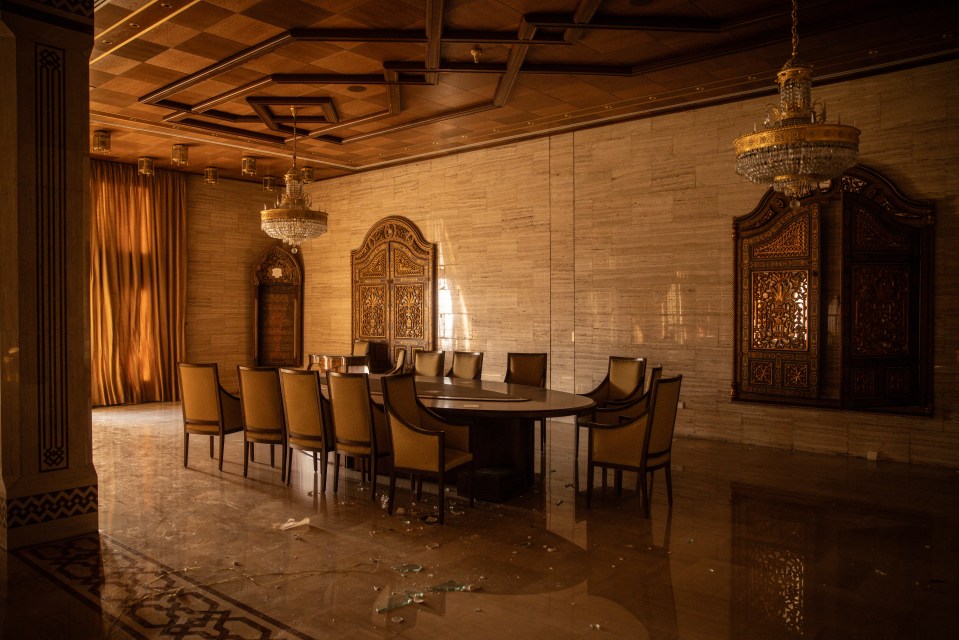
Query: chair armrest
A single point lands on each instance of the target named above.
(600, 393)
(232, 414)
(413, 447)
(457, 435)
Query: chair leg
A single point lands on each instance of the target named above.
(325, 458)
(644, 492)
(472, 482)
(542, 434)
(389, 502)
(289, 467)
(604, 483)
(412, 481)
(186, 447)
(283, 463)
(272, 456)
(336, 473)
(669, 484)
(211, 447)
(441, 499)
(589, 484)
(222, 442)
(247, 452)
(618, 481)
(253, 454)
(373, 478)
(419, 488)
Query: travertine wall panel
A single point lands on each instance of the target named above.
(617, 239)
(224, 241)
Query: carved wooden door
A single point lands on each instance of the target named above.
(886, 259)
(394, 286)
(277, 312)
(777, 302)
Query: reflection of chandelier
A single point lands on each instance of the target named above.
(797, 152)
(291, 220)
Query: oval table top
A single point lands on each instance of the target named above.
(490, 398)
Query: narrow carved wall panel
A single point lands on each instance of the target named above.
(51, 259)
(277, 309)
(780, 317)
(881, 313)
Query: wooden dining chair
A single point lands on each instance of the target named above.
(358, 425)
(624, 382)
(421, 442)
(262, 407)
(306, 419)
(361, 347)
(528, 369)
(428, 363)
(467, 365)
(208, 408)
(642, 444)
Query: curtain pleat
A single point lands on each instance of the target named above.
(137, 283)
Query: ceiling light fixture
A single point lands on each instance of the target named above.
(291, 219)
(101, 141)
(248, 165)
(211, 175)
(145, 166)
(797, 152)
(181, 155)
(269, 183)
(477, 53)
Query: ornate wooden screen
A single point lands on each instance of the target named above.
(277, 309)
(877, 248)
(394, 288)
(777, 277)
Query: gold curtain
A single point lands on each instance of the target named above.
(137, 283)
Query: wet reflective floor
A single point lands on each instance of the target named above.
(760, 543)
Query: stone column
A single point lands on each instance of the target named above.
(48, 486)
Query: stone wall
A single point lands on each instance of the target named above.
(611, 240)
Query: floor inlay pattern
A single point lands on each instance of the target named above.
(146, 598)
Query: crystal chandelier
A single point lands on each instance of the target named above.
(291, 220)
(797, 152)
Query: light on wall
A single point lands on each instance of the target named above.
(797, 152)
(211, 175)
(101, 141)
(248, 165)
(145, 166)
(181, 155)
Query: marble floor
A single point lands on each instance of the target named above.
(760, 543)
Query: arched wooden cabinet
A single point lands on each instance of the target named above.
(394, 291)
(277, 309)
(833, 299)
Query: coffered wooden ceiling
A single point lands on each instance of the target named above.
(382, 82)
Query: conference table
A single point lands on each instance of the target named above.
(502, 421)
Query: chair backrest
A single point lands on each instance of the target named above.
(260, 400)
(663, 406)
(400, 363)
(302, 403)
(428, 363)
(526, 368)
(199, 392)
(399, 396)
(626, 377)
(467, 364)
(350, 411)
(655, 373)
(361, 347)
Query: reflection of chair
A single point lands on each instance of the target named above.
(466, 364)
(306, 418)
(420, 441)
(400, 365)
(361, 347)
(358, 426)
(528, 369)
(623, 384)
(642, 444)
(208, 408)
(428, 363)
(262, 409)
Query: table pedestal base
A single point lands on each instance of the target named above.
(493, 484)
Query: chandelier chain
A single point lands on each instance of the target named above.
(795, 29)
